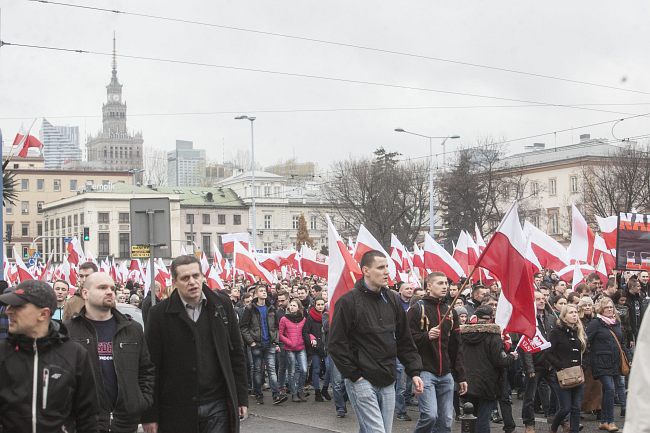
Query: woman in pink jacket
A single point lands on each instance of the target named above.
(294, 344)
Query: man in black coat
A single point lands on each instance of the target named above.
(123, 371)
(195, 344)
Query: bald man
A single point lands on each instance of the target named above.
(115, 344)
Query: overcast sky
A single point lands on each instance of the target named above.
(602, 42)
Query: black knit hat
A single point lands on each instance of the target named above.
(484, 312)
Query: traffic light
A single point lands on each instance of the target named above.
(86, 233)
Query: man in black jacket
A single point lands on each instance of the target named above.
(437, 337)
(195, 344)
(123, 370)
(369, 330)
(63, 398)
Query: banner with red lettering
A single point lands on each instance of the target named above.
(633, 241)
(535, 344)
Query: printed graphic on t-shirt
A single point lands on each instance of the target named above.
(105, 350)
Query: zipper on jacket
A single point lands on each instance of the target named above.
(127, 343)
(110, 421)
(439, 341)
(46, 384)
(34, 387)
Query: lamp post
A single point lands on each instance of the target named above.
(432, 208)
(252, 119)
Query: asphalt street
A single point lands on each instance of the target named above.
(312, 417)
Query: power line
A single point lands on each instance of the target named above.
(343, 44)
(308, 76)
(320, 110)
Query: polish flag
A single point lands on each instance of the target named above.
(343, 271)
(217, 259)
(46, 275)
(601, 250)
(463, 253)
(601, 271)
(105, 266)
(270, 262)
(400, 256)
(205, 265)
(549, 252)
(532, 258)
(68, 272)
(25, 141)
(162, 274)
(535, 344)
(480, 242)
(213, 280)
(245, 261)
(75, 252)
(567, 273)
(229, 240)
(310, 264)
(23, 272)
(418, 257)
(581, 248)
(505, 257)
(609, 230)
(436, 258)
(366, 242)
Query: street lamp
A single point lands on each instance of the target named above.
(444, 140)
(252, 119)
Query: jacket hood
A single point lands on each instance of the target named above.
(57, 334)
(432, 300)
(474, 334)
(361, 285)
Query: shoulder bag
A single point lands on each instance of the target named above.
(625, 364)
(570, 377)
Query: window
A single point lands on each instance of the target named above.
(10, 210)
(236, 220)
(24, 229)
(9, 252)
(124, 219)
(73, 184)
(294, 221)
(69, 220)
(553, 221)
(63, 222)
(267, 248)
(76, 220)
(206, 218)
(39, 206)
(81, 219)
(221, 219)
(56, 220)
(24, 207)
(103, 218)
(46, 225)
(534, 218)
(9, 228)
(267, 221)
(189, 238)
(57, 184)
(24, 184)
(267, 191)
(276, 191)
(40, 184)
(189, 218)
(206, 244)
(125, 245)
(534, 188)
(313, 222)
(103, 248)
(552, 186)
(39, 229)
(573, 183)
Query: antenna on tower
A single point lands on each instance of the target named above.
(114, 55)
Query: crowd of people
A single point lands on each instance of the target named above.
(380, 349)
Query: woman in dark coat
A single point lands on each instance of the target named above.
(568, 342)
(313, 334)
(593, 394)
(604, 336)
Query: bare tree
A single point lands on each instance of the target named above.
(155, 166)
(383, 194)
(618, 183)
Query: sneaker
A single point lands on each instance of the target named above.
(403, 417)
(340, 414)
(259, 399)
(280, 398)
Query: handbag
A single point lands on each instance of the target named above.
(571, 377)
(625, 364)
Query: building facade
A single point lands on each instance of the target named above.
(186, 165)
(60, 144)
(114, 147)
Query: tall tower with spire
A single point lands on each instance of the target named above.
(114, 148)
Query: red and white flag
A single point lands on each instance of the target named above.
(25, 141)
(75, 252)
(575, 272)
(505, 257)
(205, 265)
(465, 252)
(581, 248)
(367, 242)
(535, 344)
(229, 240)
(23, 272)
(244, 261)
(480, 242)
(601, 251)
(213, 281)
(270, 262)
(400, 255)
(418, 258)
(310, 264)
(601, 271)
(608, 230)
(549, 252)
(217, 259)
(436, 258)
(343, 271)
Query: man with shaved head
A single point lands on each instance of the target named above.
(123, 371)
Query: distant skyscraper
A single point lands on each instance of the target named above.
(60, 144)
(114, 148)
(185, 165)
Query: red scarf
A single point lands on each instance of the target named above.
(318, 317)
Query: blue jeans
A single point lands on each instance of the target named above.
(328, 372)
(608, 382)
(338, 387)
(282, 368)
(264, 353)
(570, 403)
(374, 405)
(436, 404)
(296, 370)
(315, 370)
(401, 379)
(619, 384)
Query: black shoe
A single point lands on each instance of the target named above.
(326, 394)
(319, 396)
(280, 398)
(495, 417)
(623, 412)
(403, 417)
(340, 414)
(259, 399)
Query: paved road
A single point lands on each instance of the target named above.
(312, 417)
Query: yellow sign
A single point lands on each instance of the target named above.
(31, 251)
(140, 251)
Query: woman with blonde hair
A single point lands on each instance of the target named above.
(568, 343)
(605, 339)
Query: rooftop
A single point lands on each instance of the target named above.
(588, 148)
